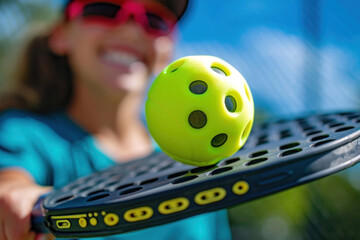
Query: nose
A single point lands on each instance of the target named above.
(130, 28)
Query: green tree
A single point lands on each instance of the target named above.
(18, 21)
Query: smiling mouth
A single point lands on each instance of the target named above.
(120, 58)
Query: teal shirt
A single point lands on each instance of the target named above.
(56, 151)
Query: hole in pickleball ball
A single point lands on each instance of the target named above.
(219, 70)
(247, 91)
(230, 103)
(175, 66)
(219, 140)
(198, 87)
(246, 132)
(197, 119)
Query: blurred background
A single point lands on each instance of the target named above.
(298, 56)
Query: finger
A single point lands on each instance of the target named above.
(3, 215)
(44, 237)
(2, 231)
(14, 230)
(50, 236)
(17, 227)
(4, 218)
(31, 236)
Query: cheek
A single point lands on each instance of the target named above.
(81, 36)
(85, 40)
(83, 49)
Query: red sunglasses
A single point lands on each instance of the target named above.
(155, 18)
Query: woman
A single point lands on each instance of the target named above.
(75, 108)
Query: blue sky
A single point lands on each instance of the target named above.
(292, 64)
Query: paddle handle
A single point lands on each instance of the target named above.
(37, 216)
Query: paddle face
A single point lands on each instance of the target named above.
(157, 190)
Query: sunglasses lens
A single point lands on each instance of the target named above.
(102, 9)
(153, 20)
(157, 23)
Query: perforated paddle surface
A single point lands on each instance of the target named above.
(157, 189)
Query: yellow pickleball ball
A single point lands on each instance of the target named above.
(200, 110)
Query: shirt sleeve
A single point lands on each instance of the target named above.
(18, 148)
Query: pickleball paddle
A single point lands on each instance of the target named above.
(156, 190)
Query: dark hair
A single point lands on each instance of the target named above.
(43, 81)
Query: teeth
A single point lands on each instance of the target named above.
(120, 58)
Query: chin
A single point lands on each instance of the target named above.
(125, 87)
(126, 82)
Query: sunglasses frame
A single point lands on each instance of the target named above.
(129, 8)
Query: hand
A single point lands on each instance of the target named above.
(18, 194)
